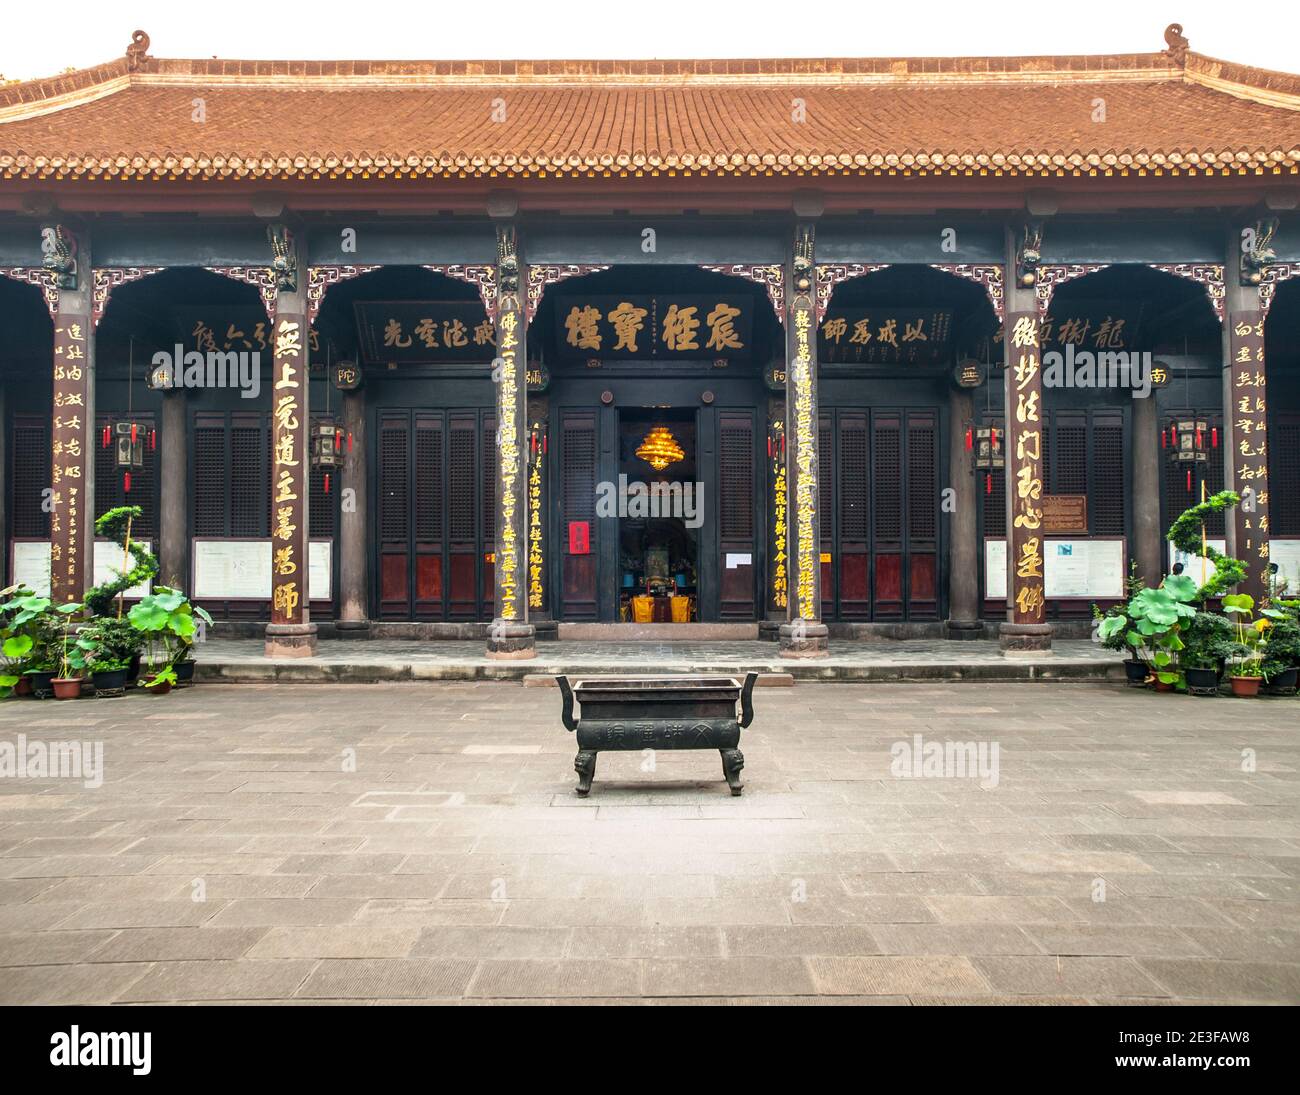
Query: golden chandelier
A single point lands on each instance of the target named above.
(660, 448)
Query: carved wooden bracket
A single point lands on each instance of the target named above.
(772, 278)
(539, 277)
(482, 276)
(108, 278)
(1049, 277)
(43, 280)
(261, 278)
(989, 276)
(829, 275)
(1208, 274)
(1274, 275)
(320, 279)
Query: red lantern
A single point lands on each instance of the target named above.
(1189, 480)
(126, 482)
(1214, 437)
(988, 482)
(106, 437)
(327, 482)
(1164, 440)
(153, 440)
(349, 442)
(970, 439)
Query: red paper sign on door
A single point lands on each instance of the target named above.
(579, 537)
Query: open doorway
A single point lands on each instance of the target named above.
(660, 516)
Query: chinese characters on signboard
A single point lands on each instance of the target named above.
(68, 517)
(424, 332)
(648, 326)
(1249, 439)
(536, 556)
(883, 336)
(1025, 482)
(780, 530)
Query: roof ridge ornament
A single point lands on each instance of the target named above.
(1178, 45)
(137, 53)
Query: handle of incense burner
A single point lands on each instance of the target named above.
(570, 723)
(747, 700)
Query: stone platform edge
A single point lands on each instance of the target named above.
(310, 671)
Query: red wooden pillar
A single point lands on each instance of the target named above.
(1026, 627)
(1246, 425)
(72, 478)
(511, 635)
(290, 634)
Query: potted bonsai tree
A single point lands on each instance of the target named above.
(1280, 667)
(71, 662)
(1207, 643)
(1246, 672)
(110, 645)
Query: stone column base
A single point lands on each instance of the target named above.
(352, 629)
(804, 639)
(965, 630)
(769, 631)
(290, 640)
(547, 630)
(1025, 640)
(511, 641)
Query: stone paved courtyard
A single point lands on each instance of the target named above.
(233, 854)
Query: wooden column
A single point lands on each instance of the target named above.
(804, 635)
(963, 559)
(174, 497)
(1246, 458)
(353, 542)
(1148, 546)
(511, 635)
(290, 634)
(72, 467)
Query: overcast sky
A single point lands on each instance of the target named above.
(43, 39)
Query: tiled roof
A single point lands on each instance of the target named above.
(1160, 113)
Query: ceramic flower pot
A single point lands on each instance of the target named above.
(1246, 686)
(1135, 672)
(1284, 683)
(40, 684)
(1202, 682)
(109, 684)
(160, 689)
(23, 687)
(184, 674)
(1162, 686)
(66, 688)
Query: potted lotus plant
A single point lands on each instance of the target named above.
(1151, 623)
(165, 618)
(1115, 623)
(1246, 673)
(67, 684)
(36, 622)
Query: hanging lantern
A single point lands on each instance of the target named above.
(129, 444)
(988, 447)
(326, 443)
(1187, 440)
(970, 439)
(660, 448)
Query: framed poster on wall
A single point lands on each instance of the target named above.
(240, 570)
(30, 565)
(1073, 569)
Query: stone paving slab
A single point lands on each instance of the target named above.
(421, 843)
(355, 661)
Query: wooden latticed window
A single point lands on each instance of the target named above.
(29, 477)
(736, 476)
(577, 471)
(1284, 476)
(1107, 489)
(230, 470)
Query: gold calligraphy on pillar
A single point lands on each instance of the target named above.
(807, 535)
(536, 554)
(288, 472)
(1248, 436)
(1024, 390)
(780, 529)
(508, 534)
(69, 527)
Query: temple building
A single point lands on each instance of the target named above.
(808, 350)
